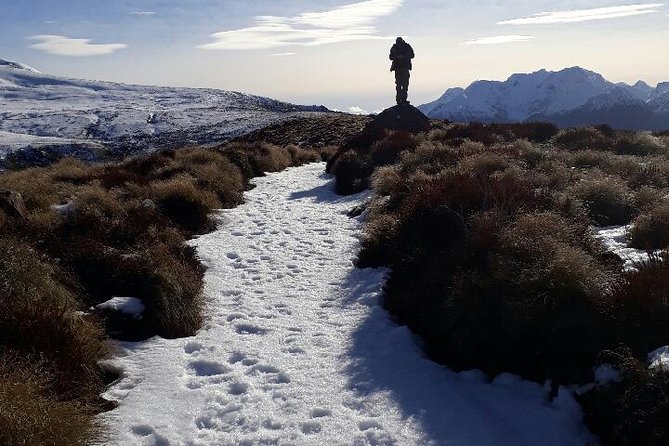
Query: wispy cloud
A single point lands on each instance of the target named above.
(64, 46)
(584, 15)
(343, 24)
(283, 54)
(496, 40)
(143, 12)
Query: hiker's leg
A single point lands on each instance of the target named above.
(403, 83)
(398, 86)
(406, 86)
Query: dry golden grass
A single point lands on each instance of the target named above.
(185, 204)
(31, 415)
(38, 316)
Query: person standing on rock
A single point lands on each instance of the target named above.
(401, 54)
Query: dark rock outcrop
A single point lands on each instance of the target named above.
(12, 204)
(403, 117)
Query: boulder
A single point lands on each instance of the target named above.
(12, 204)
(403, 117)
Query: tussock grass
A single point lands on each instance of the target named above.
(39, 317)
(31, 415)
(650, 230)
(584, 138)
(494, 266)
(640, 144)
(609, 200)
(633, 411)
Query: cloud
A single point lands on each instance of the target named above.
(63, 46)
(283, 54)
(496, 40)
(357, 110)
(343, 24)
(584, 15)
(143, 13)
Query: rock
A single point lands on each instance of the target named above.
(404, 117)
(12, 204)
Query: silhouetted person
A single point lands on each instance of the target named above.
(401, 54)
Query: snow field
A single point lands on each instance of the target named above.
(297, 349)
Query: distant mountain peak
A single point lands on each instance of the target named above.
(17, 66)
(556, 96)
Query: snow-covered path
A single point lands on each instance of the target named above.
(297, 350)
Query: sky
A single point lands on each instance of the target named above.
(333, 52)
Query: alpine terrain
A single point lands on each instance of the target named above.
(568, 98)
(53, 116)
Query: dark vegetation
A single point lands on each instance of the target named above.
(86, 234)
(486, 231)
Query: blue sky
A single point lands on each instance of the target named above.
(333, 52)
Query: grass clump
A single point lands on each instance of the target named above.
(650, 230)
(30, 414)
(39, 317)
(609, 200)
(584, 138)
(634, 410)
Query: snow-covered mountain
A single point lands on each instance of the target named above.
(570, 97)
(42, 116)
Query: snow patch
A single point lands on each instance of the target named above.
(659, 359)
(131, 306)
(615, 240)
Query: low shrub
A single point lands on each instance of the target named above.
(185, 204)
(352, 173)
(301, 156)
(640, 305)
(584, 138)
(650, 230)
(39, 317)
(608, 200)
(640, 144)
(328, 152)
(387, 180)
(388, 149)
(632, 411)
(535, 131)
(30, 414)
(590, 158)
(70, 170)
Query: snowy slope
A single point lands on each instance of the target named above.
(297, 349)
(572, 96)
(127, 117)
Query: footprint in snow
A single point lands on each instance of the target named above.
(193, 347)
(320, 413)
(249, 329)
(311, 427)
(208, 368)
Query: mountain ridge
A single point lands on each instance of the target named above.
(570, 97)
(44, 117)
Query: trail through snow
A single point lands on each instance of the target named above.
(298, 351)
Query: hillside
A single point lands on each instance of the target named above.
(43, 117)
(570, 97)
